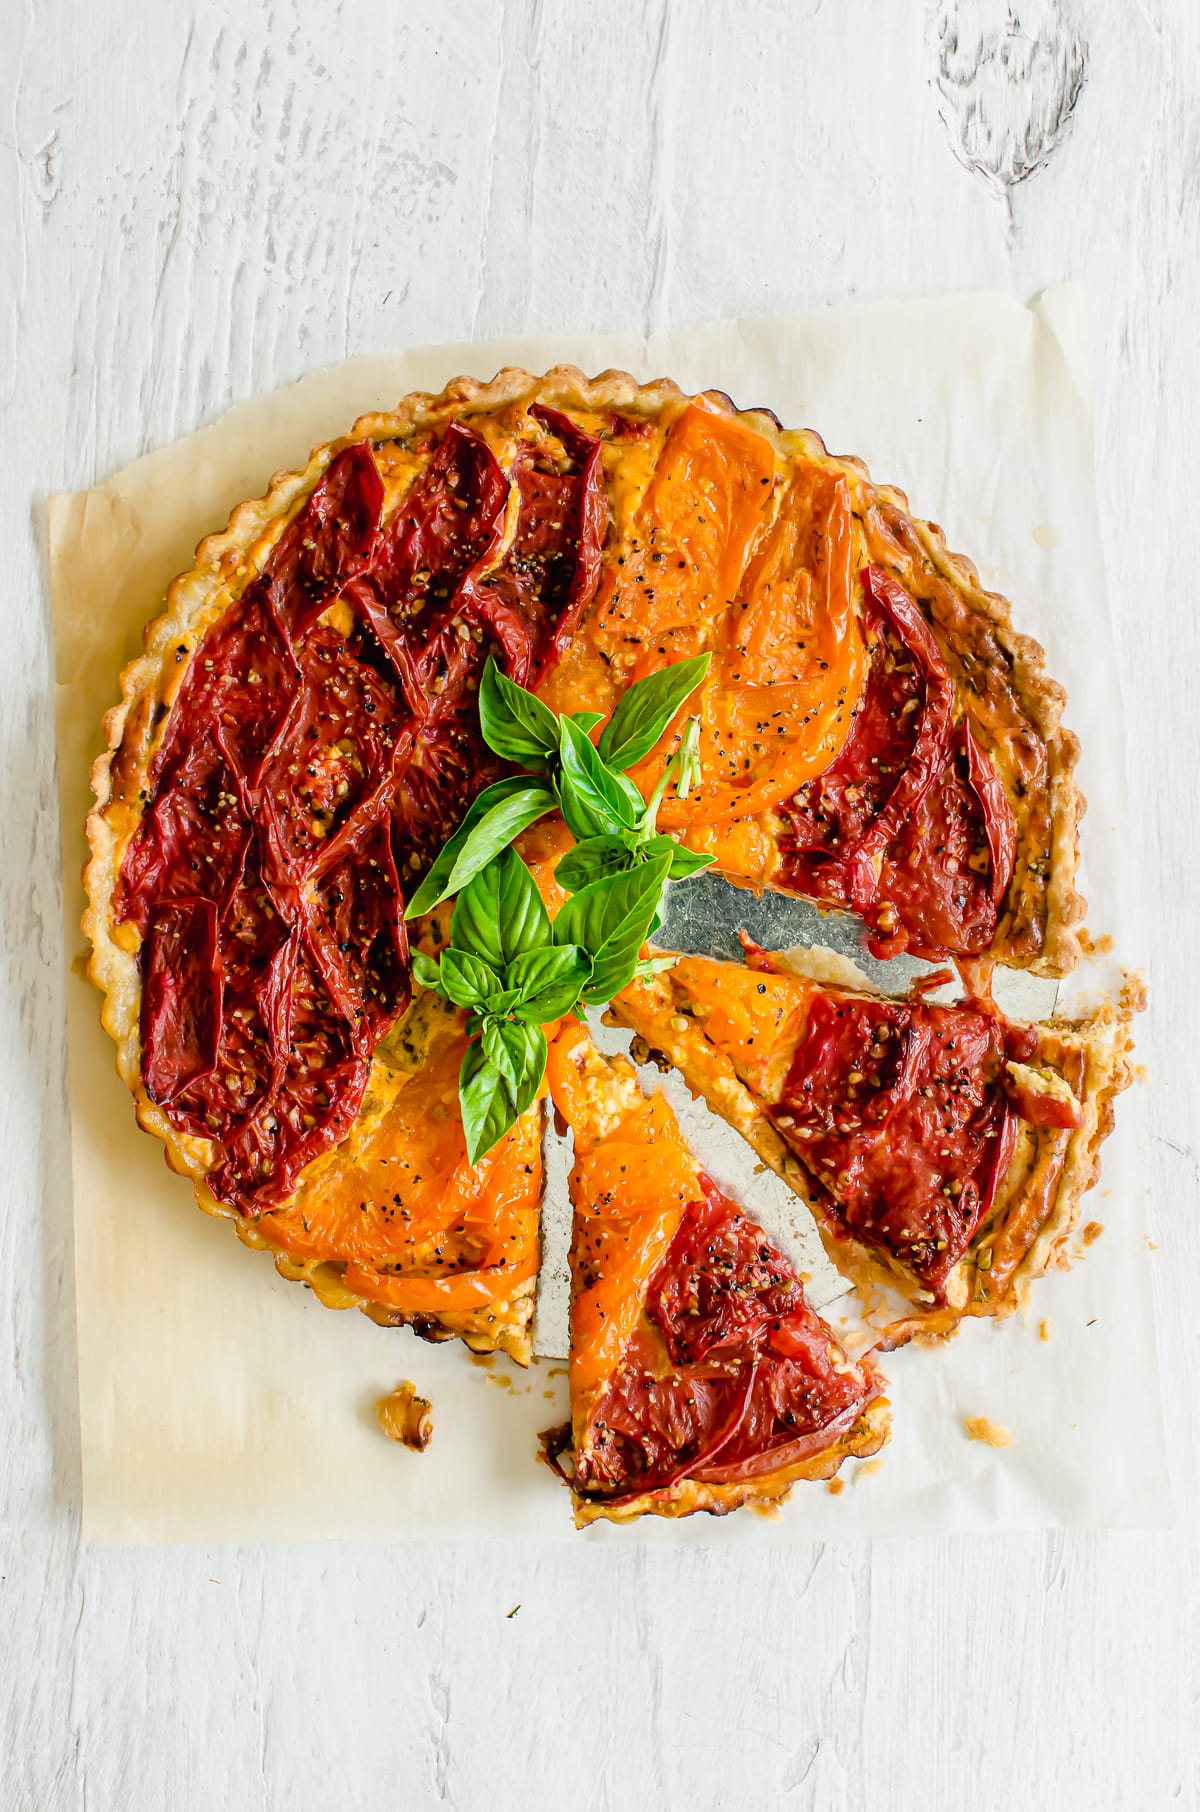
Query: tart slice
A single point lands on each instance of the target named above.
(942, 1149)
(700, 1377)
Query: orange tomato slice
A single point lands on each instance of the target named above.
(414, 1223)
(755, 1017)
(710, 563)
(632, 1183)
(435, 1295)
(789, 662)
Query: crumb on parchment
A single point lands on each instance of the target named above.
(868, 1469)
(1044, 1329)
(982, 1428)
(835, 1487)
(406, 1417)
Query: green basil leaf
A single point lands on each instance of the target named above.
(486, 1100)
(595, 802)
(490, 1103)
(591, 860)
(645, 710)
(687, 862)
(519, 1053)
(493, 835)
(498, 1053)
(515, 724)
(499, 913)
(467, 980)
(426, 973)
(611, 919)
(684, 862)
(548, 982)
(500, 813)
(523, 916)
(587, 720)
(528, 1046)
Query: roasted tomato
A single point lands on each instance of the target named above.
(731, 1375)
(910, 825)
(313, 763)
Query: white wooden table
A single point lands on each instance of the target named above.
(200, 203)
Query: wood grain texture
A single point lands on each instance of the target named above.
(1010, 80)
(196, 205)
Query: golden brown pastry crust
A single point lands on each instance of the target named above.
(1036, 1209)
(999, 673)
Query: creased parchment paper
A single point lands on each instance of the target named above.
(218, 1402)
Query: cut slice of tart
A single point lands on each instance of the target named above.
(700, 1377)
(942, 1149)
(397, 1223)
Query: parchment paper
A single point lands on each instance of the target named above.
(217, 1401)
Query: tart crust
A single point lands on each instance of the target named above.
(998, 672)
(867, 1436)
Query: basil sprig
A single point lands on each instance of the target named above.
(568, 772)
(505, 963)
(514, 973)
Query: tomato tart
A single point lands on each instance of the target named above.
(700, 1377)
(302, 735)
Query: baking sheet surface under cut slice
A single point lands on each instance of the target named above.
(704, 918)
